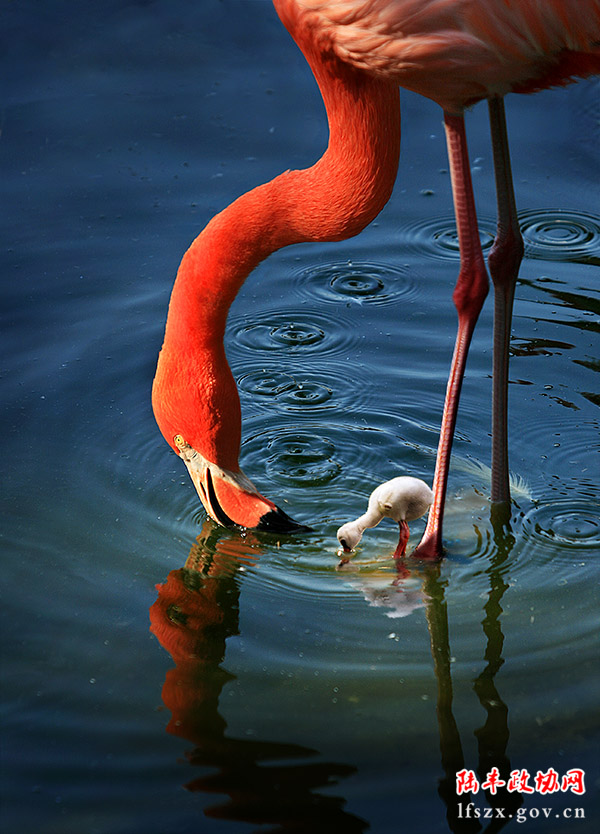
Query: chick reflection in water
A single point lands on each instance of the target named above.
(196, 611)
(402, 499)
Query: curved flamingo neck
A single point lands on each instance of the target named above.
(333, 200)
(194, 392)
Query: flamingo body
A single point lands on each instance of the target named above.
(455, 52)
(403, 499)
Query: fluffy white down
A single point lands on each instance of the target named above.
(402, 499)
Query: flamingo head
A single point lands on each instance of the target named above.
(197, 409)
(230, 498)
(349, 536)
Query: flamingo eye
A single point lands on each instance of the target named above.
(179, 441)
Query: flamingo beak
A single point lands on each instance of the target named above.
(231, 499)
(203, 482)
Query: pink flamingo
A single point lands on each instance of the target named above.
(456, 52)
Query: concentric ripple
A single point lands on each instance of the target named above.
(359, 282)
(563, 450)
(305, 391)
(307, 394)
(437, 236)
(266, 383)
(555, 235)
(564, 523)
(291, 333)
(307, 456)
(302, 458)
(290, 391)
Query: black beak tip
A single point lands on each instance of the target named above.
(278, 521)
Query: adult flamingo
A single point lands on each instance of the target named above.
(455, 52)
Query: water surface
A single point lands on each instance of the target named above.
(274, 691)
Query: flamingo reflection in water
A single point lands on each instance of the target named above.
(197, 611)
(264, 782)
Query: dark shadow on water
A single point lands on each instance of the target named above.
(264, 782)
(493, 736)
(451, 750)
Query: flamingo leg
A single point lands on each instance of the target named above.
(403, 540)
(504, 261)
(469, 295)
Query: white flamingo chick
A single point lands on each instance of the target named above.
(402, 499)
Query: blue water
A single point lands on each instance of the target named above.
(282, 693)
